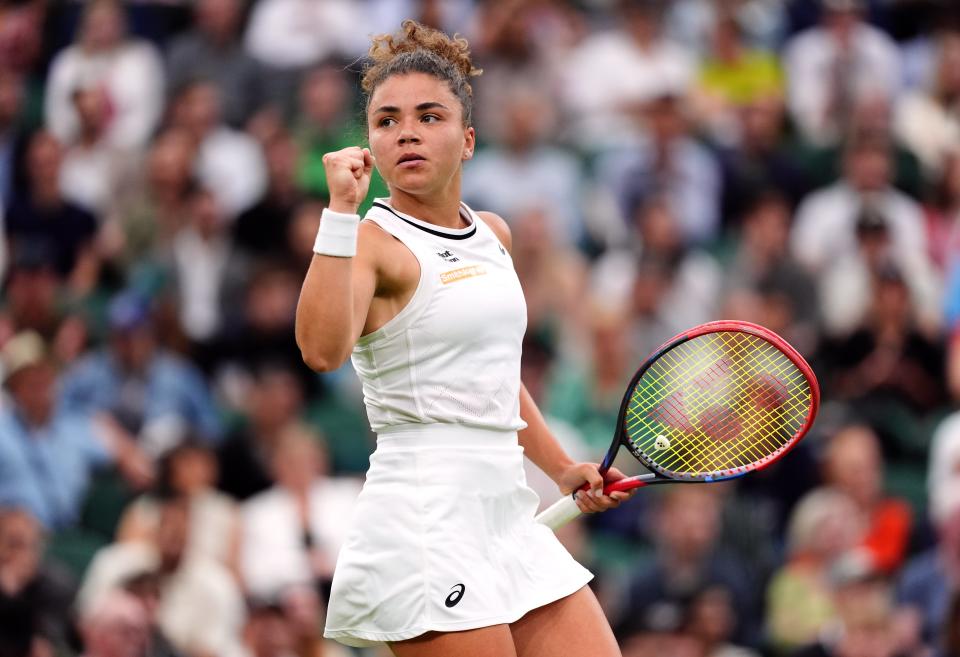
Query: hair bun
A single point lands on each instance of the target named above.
(414, 36)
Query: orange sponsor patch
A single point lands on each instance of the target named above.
(455, 275)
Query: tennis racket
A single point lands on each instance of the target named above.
(713, 403)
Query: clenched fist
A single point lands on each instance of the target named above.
(348, 177)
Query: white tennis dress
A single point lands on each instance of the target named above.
(444, 537)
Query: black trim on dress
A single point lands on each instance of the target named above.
(432, 231)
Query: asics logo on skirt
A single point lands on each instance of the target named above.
(454, 597)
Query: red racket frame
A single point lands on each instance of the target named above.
(620, 437)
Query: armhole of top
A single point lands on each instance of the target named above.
(409, 313)
(484, 226)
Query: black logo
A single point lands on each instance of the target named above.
(454, 597)
(502, 251)
(448, 256)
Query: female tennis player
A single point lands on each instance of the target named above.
(444, 556)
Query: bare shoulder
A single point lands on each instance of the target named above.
(394, 265)
(375, 240)
(499, 228)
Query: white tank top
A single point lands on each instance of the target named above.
(452, 355)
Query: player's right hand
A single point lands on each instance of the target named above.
(348, 177)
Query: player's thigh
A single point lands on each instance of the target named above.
(493, 641)
(574, 626)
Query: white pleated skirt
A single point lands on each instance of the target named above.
(444, 539)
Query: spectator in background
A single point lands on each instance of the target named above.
(762, 22)
(39, 213)
(600, 100)
(95, 171)
(669, 164)
(733, 76)
(274, 401)
(853, 464)
(200, 607)
(553, 178)
(263, 230)
(47, 452)
(293, 531)
(865, 625)
(927, 120)
(35, 598)
(848, 286)
(711, 617)
(129, 71)
(154, 394)
(659, 631)
(267, 632)
(519, 46)
(12, 92)
(930, 580)
(687, 561)
(188, 471)
(889, 362)
(942, 211)
(326, 122)
(212, 50)
(824, 528)
(287, 36)
(824, 230)
(587, 393)
(554, 279)
(22, 35)
(831, 66)
(762, 267)
(140, 231)
(304, 225)
(31, 296)
(869, 116)
(943, 471)
(668, 286)
(207, 270)
(116, 626)
(146, 588)
(260, 326)
(760, 159)
(228, 161)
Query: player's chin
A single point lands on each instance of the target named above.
(414, 183)
(423, 171)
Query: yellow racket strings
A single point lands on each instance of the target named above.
(717, 403)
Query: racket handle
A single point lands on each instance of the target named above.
(559, 513)
(565, 509)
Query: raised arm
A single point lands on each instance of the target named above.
(342, 278)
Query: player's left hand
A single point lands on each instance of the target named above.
(592, 500)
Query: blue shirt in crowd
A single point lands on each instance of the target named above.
(47, 470)
(169, 387)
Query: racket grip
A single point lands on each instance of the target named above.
(559, 513)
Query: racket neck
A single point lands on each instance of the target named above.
(611, 454)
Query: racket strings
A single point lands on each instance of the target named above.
(729, 452)
(720, 402)
(724, 430)
(730, 425)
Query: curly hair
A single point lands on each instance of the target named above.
(420, 49)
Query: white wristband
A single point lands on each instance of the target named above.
(337, 235)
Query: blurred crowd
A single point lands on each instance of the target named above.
(174, 482)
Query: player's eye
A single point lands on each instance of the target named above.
(386, 121)
(430, 118)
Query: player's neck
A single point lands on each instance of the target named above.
(441, 210)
